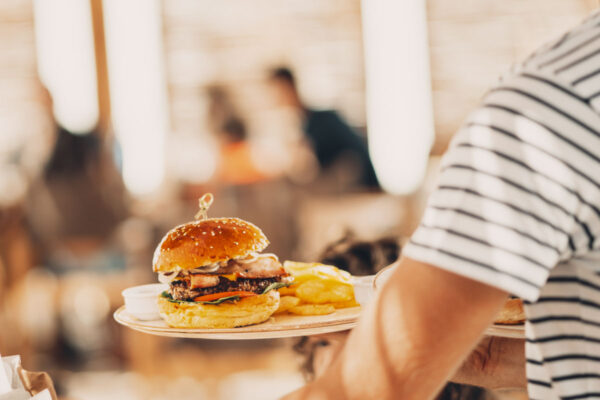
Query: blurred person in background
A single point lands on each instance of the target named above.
(242, 185)
(73, 213)
(236, 164)
(80, 200)
(333, 141)
(516, 210)
(22, 157)
(63, 222)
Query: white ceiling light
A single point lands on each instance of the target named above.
(399, 108)
(138, 90)
(66, 61)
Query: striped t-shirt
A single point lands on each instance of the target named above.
(518, 208)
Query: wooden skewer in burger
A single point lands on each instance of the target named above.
(217, 277)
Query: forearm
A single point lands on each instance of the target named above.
(411, 339)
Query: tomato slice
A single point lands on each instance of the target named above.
(216, 296)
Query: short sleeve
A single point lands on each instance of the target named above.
(511, 199)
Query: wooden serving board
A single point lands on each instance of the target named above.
(278, 326)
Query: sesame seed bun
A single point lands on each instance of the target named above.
(208, 241)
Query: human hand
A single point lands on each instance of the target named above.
(326, 353)
(495, 363)
(320, 351)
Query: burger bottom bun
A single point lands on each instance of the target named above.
(512, 313)
(246, 311)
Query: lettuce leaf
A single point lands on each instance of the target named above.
(272, 286)
(275, 286)
(169, 298)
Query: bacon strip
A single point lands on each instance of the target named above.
(203, 281)
(263, 267)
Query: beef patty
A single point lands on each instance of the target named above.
(180, 289)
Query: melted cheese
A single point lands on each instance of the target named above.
(231, 277)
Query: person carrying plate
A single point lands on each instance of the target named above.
(517, 210)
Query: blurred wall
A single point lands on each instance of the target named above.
(25, 140)
(25, 122)
(234, 43)
(472, 42)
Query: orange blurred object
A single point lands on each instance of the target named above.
(237, 167)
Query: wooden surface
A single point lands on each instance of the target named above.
(278, 326)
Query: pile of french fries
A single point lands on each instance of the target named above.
(318, 289)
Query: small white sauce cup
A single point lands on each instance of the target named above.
(363, 289)
(141, 301)
(382, 276)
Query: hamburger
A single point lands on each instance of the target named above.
(216, 274)
(512, 313)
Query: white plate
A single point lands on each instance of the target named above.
(383, 275)
(278, 326)
(507, 331)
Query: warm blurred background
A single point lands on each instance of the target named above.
(115, 116)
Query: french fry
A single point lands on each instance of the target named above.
(345, 304)
(320, 289)
(312, 309)
(308, 271)
(287, 302)
(288, 291)
(324, 291)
